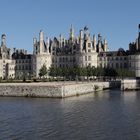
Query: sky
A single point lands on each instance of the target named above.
(116, 20)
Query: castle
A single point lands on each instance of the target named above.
(83, 50)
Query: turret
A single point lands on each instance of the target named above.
(3, 40)
(10, 54)
(47, 44)
(35, 47)
(94, 42)
(105, 45)
(71, 33)
(64, 42)
(137, 44)
(34, 40)
(99, 49)
(86, 33)
(81, 40)
(41, 41)
(60, 41)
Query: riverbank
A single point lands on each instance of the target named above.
(53, 89)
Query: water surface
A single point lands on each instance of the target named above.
(107, 115)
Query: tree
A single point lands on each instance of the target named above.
(125, 73)
(43, 71)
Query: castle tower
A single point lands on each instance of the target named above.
(94, 42)
(137, 44)
(99, 49)
(86, 33)
(105, 45)
(35, 49)
(34, 40)
(41, 42)
(81, 40)
(72, 33)
(10, 54)
(60, 41)
(3, 40)
(47, 44)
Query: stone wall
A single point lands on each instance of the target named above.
(83, 88)
(56, 89)
(130, 84)
(30, 90)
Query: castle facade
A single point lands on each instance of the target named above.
(82, 50)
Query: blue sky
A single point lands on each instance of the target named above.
(116, 20)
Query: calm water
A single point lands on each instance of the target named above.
(108, 115)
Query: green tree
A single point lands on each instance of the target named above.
(43, 71)
(125, 73)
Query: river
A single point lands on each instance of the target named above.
(106, 115)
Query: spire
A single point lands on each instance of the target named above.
(71, 32)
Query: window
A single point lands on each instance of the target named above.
(125, 58)
(112, 65)
(125, 65)
(89, 58)
(85, 58)
(89, 45)
(66, 59)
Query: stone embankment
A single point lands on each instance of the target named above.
(53, 89)
(130, 84)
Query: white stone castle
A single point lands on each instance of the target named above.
(84, 50)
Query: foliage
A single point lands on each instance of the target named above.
(125, 73)
(76, 71)
(43, 71)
